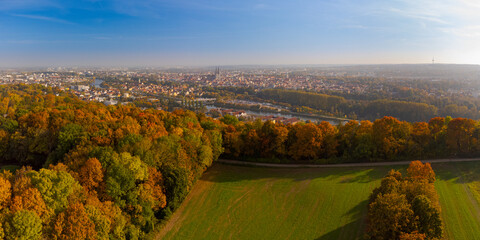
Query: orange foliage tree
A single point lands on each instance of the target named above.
(90, 175)
(460, 136)
(405, 207)
(391, 136)
(308, 141)
(73, 224)
(5, 192)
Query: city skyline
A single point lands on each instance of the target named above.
(194, 33)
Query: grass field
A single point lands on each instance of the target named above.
(457, 188)
(235, 202)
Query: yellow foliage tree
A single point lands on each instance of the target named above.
(5, 192)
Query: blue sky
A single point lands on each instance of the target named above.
(215, 32)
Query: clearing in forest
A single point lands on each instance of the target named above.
(239, 202)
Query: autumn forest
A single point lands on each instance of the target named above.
(90, 171)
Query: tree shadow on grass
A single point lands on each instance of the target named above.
(219, 172)
(356, 215)
(460, 172)
(366, 176)
(340, 233)
(352, 230)
(356, 212)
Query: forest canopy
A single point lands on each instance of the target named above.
(92, 171)
(385, 139)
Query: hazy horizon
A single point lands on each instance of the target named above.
(159, 33)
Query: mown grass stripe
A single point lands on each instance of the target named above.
(268, 203)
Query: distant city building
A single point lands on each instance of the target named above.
(217, 73)
(110, 102)
(82, 88)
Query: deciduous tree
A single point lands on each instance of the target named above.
(23, 225)
(389, 216)
(74, 224)
(429, 220)
(418, 171)
(91, 175)
(5, 192)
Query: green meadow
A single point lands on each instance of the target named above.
(238, 202)
(458, 187)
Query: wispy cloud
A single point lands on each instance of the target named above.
(471, 3)
(356, 26)
(471, 31)
(43, 18)
(425, 15)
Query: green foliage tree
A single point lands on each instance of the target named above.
(301, 98)
(429, 220)
(101, 222)
(176, 188)
(69, 136)
(122, 177)
(229, 119)
(55, 186)
(23, 225)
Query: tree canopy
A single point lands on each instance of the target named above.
(93, 171)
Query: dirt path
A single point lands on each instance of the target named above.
(371, 164)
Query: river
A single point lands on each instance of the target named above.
(301, 117)
(97, 83)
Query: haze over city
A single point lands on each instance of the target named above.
(213, 32)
